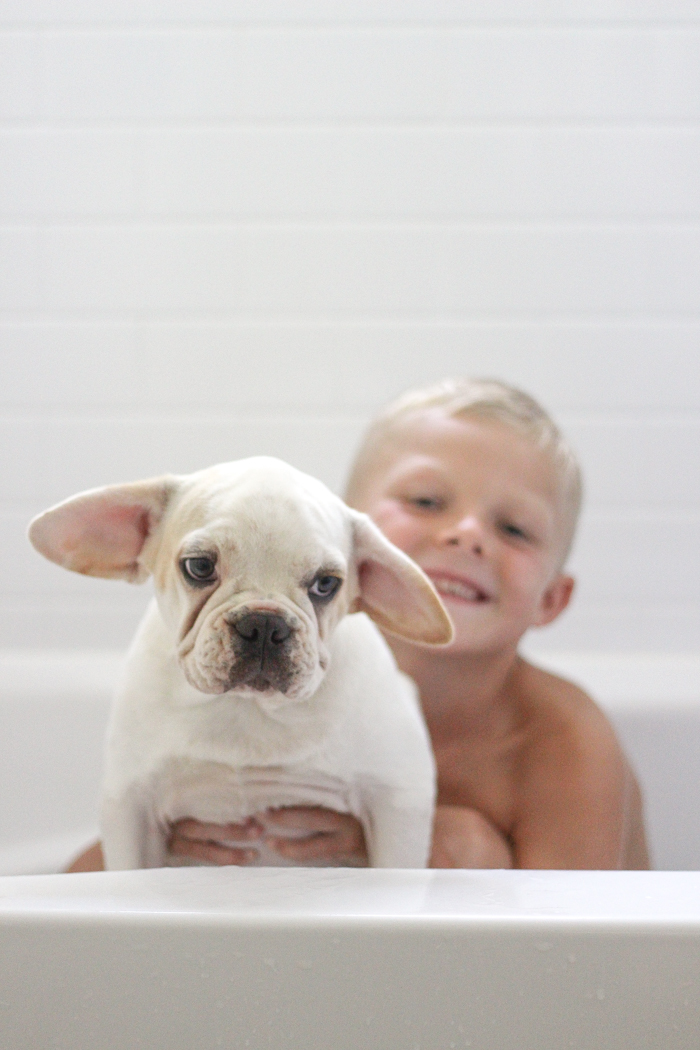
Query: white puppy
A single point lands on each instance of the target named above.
(246, 686)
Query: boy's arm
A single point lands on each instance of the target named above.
(465, 838)
(578, 802)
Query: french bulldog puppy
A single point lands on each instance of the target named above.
(248, 685)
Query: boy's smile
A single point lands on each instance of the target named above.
(477, 506)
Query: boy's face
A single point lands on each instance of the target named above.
(477, 506)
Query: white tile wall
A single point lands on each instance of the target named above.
(304, 272)
(18, 75)
(262, 173)
(230, 227)
(314, 12)
(403, 73)
(603, 368)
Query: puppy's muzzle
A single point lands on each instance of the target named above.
(263, 648)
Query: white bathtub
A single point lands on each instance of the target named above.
(317, 959)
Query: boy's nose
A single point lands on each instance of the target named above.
(466, 533)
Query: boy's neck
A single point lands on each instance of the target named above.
(467, 691)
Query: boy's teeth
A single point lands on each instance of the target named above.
(460, 590)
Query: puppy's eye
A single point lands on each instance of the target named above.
(198, 569)
(324, 588)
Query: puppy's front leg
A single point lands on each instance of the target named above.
(130, 837)
(399, 830)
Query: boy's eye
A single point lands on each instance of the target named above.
(514, 530)
(199, 569)
(426, 502)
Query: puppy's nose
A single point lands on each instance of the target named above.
(260, 629)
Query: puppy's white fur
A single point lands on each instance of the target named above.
(249, 687)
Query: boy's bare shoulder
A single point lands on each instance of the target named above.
(578, 804)
(559, 713)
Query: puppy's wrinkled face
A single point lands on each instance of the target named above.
(251, 573)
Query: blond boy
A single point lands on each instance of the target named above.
(474, 481)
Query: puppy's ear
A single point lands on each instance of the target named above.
(394, 592)
(102, 532)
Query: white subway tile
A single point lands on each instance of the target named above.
(59, 174)
(402, 272)
(141, 75)
(18, 75)
(88, 265)
(611, 628)
(421, 173)
(627, 558)
(343, 11)
(20, 269)
(390, 12)
(43, 461)
(353, 173)
(50, 622)
(633, 463)
(590, 370)
(473, 74)
(68, 366)
(373, 73)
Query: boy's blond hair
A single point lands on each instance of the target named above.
(487, 399)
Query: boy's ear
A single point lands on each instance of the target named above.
(393, 591)
(102, 532)
(555, 599)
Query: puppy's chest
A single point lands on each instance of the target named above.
(219, 793)
(187, 751)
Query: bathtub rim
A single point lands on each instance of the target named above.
(309, 896)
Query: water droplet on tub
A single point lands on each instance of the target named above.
(600, 994)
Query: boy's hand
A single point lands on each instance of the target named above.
(211, 843)
(320, 835)
(464, 838)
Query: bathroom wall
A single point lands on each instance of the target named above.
(238, 227)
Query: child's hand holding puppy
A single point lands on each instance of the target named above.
(302, 834)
